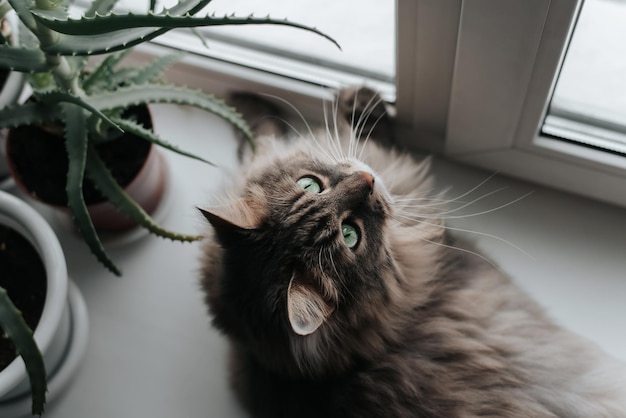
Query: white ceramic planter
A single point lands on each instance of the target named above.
(61, 334)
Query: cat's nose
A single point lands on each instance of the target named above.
(369, 178)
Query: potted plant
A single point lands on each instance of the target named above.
(90, 109)
(34, 294)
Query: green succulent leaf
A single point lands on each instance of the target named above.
(26, 114)
(98, 25)
(55, 96)
(113, 40)
(157, 93)
(154, 70)
(16, 329)
(104, 181)
(100, 7)
(22, 10)
(136, 129)
(76, 143)
(22, 59)
(102, 72)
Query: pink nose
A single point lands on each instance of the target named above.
(368, 178)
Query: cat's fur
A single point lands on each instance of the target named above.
(409, 323)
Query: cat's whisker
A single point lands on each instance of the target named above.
(337, 137)
(469, 231)
(312, 134)
(363, 118)
(484, 196)
(464, 250)
(471, 202)
(492, 209)
(369, 134)
(332, 261)
(431, 201)
(334, 149)
(445, 215)
(470, 191)
(292, 107)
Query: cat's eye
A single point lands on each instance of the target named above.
(310, 184)
(350, 234)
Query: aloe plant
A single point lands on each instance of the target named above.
(89, 105)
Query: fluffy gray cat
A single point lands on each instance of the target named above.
(342, 293)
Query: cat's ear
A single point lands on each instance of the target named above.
(231, 222)
(307, 306)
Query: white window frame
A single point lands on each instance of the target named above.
(474, 81)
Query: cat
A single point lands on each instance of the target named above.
(342, 294)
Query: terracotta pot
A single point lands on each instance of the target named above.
(144, 180)
(61, 333)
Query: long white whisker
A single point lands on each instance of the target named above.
(369, 134)
(469, 231)
(464, 251)
(292, 107)
(333, 148)
(486, 195)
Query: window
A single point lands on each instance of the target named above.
(589, 102)
(364, 29)
(482, 93)
(475, 80)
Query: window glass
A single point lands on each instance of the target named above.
(589, 101)
(365, 30)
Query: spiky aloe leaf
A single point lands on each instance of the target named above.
(104, 181)
(22, 59)
(98, 25)
(157, 93)
(16, 329)
(104, 69)
(76, 144)
(26, 114)
(153, 70)
(55, 96)
(119, 39)
(136, 129)
(22, 10)
(100, 7)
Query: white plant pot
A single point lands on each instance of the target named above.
(61, 334)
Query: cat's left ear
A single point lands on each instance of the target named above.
(307, 306)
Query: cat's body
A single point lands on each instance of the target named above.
(343, 295)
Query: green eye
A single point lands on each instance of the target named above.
(310, 184)
(350, 235)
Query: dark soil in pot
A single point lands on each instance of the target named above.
(39, 159)
(23, 276)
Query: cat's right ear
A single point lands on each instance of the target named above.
(232, 223)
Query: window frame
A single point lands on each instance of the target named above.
(505, 55)
(449, 53)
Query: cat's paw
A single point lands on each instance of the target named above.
(367, 113)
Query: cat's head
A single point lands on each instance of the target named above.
(305, 266)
